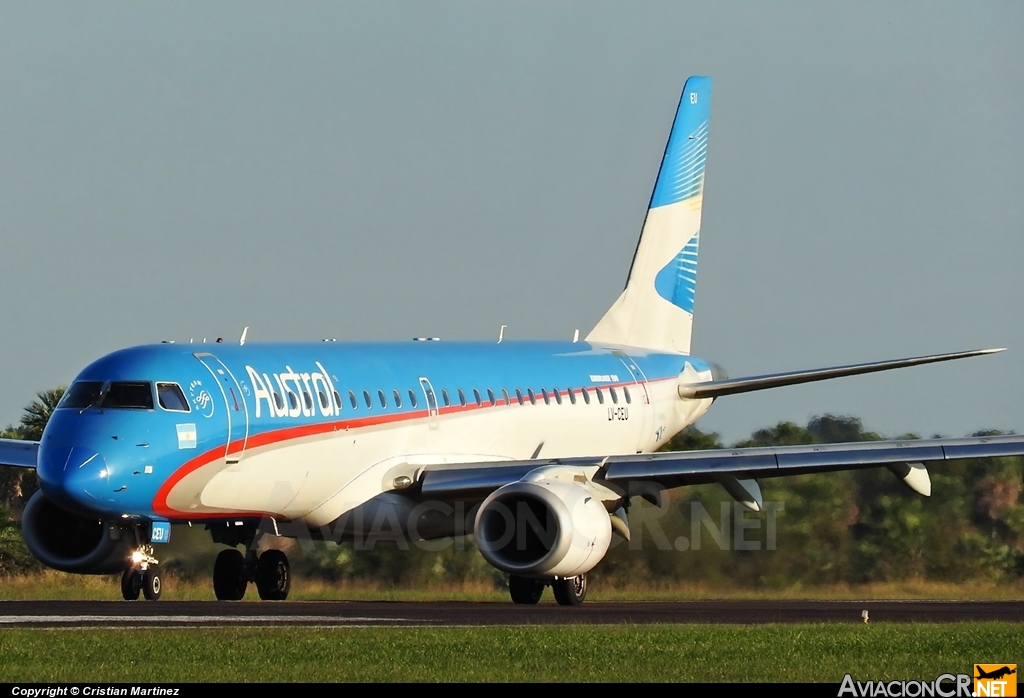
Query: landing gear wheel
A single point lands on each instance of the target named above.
(131, 584)
(228, 581)
(152, 583)
(525, 590)
(570, 591)
(273, 576)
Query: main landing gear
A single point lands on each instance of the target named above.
(143, 576)
(233, 571)
(569, 591)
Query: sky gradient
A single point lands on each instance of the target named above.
(388, 170)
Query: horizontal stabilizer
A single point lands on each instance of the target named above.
(19, 454)
(732, 386)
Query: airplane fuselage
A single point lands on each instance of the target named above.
(308, 432)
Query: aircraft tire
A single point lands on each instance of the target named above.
(228, 582)
(525, 590)
(152, 583)
(130, 586)
(570, 591)
(273, 576)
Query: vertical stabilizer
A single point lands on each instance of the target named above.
(656, 309)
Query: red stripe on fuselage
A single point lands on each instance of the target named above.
(161, 508)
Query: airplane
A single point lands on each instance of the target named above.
(995, 673)
(534, 448)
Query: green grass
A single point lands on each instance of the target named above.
(566, 653)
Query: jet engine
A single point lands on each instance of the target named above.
(545, 525)
(73, 543)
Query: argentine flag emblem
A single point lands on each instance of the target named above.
(186, 435)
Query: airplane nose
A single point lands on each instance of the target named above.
(74, 477)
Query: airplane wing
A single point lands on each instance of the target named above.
(735, 468)
(19, 454)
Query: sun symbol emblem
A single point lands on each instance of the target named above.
(201, 398)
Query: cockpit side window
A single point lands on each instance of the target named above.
(81, 395)
(132, 395)
(171, 398)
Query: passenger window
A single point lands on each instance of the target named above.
(279, 401)
(586, 395)
(324, 402)
(490, 396)
(383, 399)
(398, 398)
(171, 398)
(308, 399)
(572, 396)
(615, 395)
(519, 395)
(532, 395)
(558, 396)
(337, 400)
(508, 398)
(444, 396)
(293, 400)
(625, 394)
(352, 399)
(367, 399)
(412, 398)
(600, 395)
(462, 398)
(476, 396)
(547, 398)
(129, 395)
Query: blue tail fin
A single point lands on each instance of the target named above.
(655, 311)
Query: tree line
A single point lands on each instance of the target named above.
(849, 527)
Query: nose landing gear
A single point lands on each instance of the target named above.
(142, 576)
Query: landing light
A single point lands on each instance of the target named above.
(137, 557)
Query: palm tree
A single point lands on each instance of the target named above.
(37, 414)
(18, 484)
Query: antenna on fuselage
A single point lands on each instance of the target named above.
(241, 342)
(501, 333)
(576, 336)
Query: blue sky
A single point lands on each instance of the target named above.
(389, 170)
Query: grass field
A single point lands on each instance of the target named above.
(679, 653)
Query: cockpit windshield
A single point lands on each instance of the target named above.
(128, 395)
(81, 395)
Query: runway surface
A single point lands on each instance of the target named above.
(394, 614)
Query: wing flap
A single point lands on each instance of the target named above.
(19, 454)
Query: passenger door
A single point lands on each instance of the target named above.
(233, 403)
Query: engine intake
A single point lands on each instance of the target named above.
(543, 528)
(72, 543)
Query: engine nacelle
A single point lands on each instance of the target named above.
(72, 543)
(543, 528)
